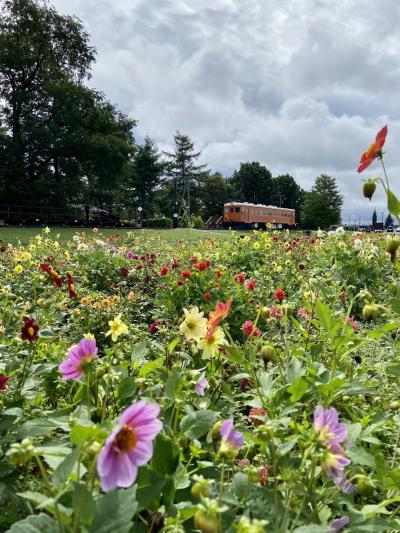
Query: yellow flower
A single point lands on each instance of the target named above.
(89, 336)
(46, 230)
(85, 300)
(131, 295)
(256, 245)
(117, 328)
(195, 325)
(18, 269)
(211, 343)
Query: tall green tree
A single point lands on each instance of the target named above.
(389, 221)
(252, 183)
(286, 192)
(374, 218)
(184, 171)
(322, 205)
(147, 171)
(64, 141)
(212, 194)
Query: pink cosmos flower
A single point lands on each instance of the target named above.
(129, 446)
(78, 358)
(201, 386)
(229, 435)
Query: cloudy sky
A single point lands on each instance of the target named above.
(299, 85)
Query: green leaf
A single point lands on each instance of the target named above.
(394, 370)
(65, 468)
(312, 528)
(173, 344)
(298, 389)
(393, 204)
(149, 486)
(234, 355)
(241, 486)
(40, 523)
(46, 333)
(166, 455)
(81, 433)
(324, 315)
(172, 386)
(294, 370)
(360, 456)
(127, 388)
(114, 511)
(138, 351)
(197, 423)
(36, 428)
(84, 504)
(151, 367)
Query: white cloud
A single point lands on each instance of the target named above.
(296, 85)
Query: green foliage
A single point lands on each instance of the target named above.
(322, 205)
(252, 183)
(159, 222)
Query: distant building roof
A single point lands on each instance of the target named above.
(258, 205)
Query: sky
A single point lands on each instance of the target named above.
(302, 86)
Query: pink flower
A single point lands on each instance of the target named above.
(250, 330)
(279, 295)
(231, 438)
(3, 382)
(201, 386)
(129, 446)
(153, 328)
(79, 357)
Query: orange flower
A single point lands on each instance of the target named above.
(221, 311)
(374, 151)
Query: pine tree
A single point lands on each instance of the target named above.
(182, 168)
(389, 221)
(322, 205)
(374, 218)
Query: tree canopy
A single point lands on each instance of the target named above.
(322, 205)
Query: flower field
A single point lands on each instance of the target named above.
(233, 385)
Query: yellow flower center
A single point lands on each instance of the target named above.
(31, 331)
(370, 151)
(126, 439)
(190, 324)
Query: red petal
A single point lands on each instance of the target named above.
(380, 139)
(364, 164)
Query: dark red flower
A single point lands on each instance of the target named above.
(3, 381)
(174, 264)
(374, 151)
(256, 411)
(280, 295)
(124, 272)
(262, 476)
(239, 278)
(250, 330)
(55, 276)
(153, 328)
(185, 274)
(179, 283)
(202, 266)
(71, 287)
(139, 267)
(207, 296)
(164, 270)
(251, 284)
(147, 278)
(301, 266)
(2, 249)
(29, 331)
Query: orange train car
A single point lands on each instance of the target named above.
(240, 215)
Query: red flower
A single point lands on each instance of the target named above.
(256, 411)
(301, 266)
(71, 287)
(249, 328)
(55, 276)
(202, 266)
(139, 267)
(153, 328)
(218, 273)
(280, 295)
(221, 311)
(262, 476)
(29, 331)
(374, 151)
(124, 272)
(186, 274)
(251, 284)
(240, 278)
(174, 264)
(179, 283)
(207, 296)
(3, 381)
(164, 270)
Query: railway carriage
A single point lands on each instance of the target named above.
(242, 215)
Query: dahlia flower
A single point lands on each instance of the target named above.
(129, 446)
(212, 342)
(79, 357)
(194, 327)
(200, 387)
(232, 440)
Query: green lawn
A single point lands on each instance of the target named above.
(13, 235)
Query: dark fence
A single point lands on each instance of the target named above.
(68, 216)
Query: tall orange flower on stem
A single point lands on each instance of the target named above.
(215, 317)
(374, 151)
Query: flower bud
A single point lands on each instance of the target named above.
(369, 188)
(365, 486)
(207, 523)
(215, 434)
(370, 312)
(20, 452)
(268, 352)
(392, 245)
(200, 488)
(395, 405)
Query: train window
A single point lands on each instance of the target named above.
(237, 209)
(231, 209)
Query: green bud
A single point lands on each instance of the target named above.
(207, 523)
(200, 488)
(365, 486)
(369, 188)
(268, 352)
(370, 312)
(395, 405)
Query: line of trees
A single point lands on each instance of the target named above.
(63, 144)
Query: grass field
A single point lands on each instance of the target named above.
(13, 235)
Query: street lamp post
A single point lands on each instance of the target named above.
(139, 218)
